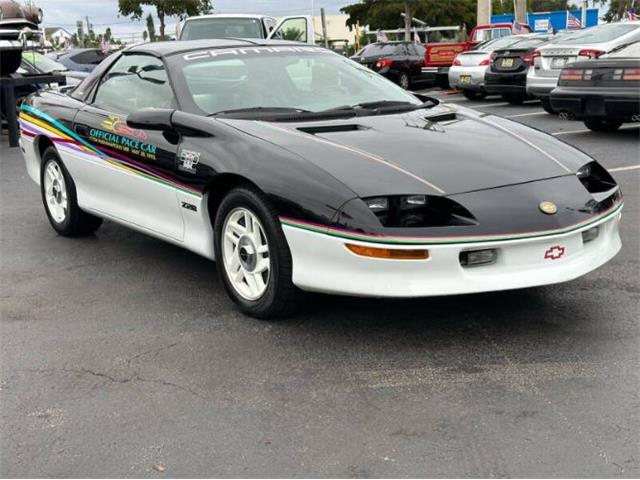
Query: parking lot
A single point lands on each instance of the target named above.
(122, 356)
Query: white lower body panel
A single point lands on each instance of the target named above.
(322, 263)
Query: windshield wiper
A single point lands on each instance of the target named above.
(259, 110)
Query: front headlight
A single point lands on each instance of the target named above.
(415, 211)
(595, 178)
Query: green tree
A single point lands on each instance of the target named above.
(616, 8)
(165, 8)
(151, 28)
(107, 34)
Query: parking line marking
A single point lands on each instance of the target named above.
(530, 114)
(503, 104)
(568, 132)
(624, 169)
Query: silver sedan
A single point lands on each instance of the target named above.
(467, 71)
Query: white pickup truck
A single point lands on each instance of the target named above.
(297, 28)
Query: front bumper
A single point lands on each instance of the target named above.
(612, 103)
(539, 86)
(474, 73)
(505, 82)
(322, 263)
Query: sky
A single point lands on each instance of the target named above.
(104, 13)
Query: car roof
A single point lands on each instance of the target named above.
(163, 49)
(226, 15)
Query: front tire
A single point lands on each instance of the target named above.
(602, 124)
(60, 201)
(252, 255)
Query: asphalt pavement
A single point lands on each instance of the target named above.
(120, 355)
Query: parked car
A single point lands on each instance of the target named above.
(223, 25)
(34, 63)
(400, 62)
(603, 92)
(440, 55)
(508, 67)
(468, 69)
(550, 59)
(297, 169)
(81, 59)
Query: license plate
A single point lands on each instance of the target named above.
(464, 79)
(559, 62)
(507, 62)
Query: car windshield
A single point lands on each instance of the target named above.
(599, 34)
(499, 43)
(42, 63)
(308, 79)
(529, 43)
(380, 49)
(222, 27)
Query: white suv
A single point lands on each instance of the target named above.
(550, 59)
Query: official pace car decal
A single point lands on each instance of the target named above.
(409, 240)
(109, 146)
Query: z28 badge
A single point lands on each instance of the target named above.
(188, 161)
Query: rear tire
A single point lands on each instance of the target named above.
(602, 124)
(252, 255)
(404, 81)
(546, 105)
(514, 99)
(60, 201)
(473, 95)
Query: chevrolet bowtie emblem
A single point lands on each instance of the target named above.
(554, 253)
(548, 207)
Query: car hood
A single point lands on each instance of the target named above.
(444, 150)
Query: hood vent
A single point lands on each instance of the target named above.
(442, 117)
(332, 128)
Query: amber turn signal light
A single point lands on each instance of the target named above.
(388, 253)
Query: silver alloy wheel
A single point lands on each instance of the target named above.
(55, 192)
(245, 253)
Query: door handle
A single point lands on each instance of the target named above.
(82, 130)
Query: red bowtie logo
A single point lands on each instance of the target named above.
(554, 253)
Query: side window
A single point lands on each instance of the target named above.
(134, 82)
(294, 29)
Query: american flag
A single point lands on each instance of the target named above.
(381, 36)
(517, 28)
(573, 22)
(632, 14)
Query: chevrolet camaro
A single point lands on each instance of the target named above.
(297, 169)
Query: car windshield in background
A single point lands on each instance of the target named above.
(628, 50)
(380, 49)
(529, 43)
(499, 43)
(309, 79)
(222, 28)
(599, 34)
(42, 63)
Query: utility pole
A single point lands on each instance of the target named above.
(407, 21)
(324, 28)
(521, 11)
(583, 20)
(484, 12)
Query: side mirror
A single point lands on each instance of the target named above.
(151, 119)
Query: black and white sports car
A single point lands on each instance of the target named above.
(298, 169)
